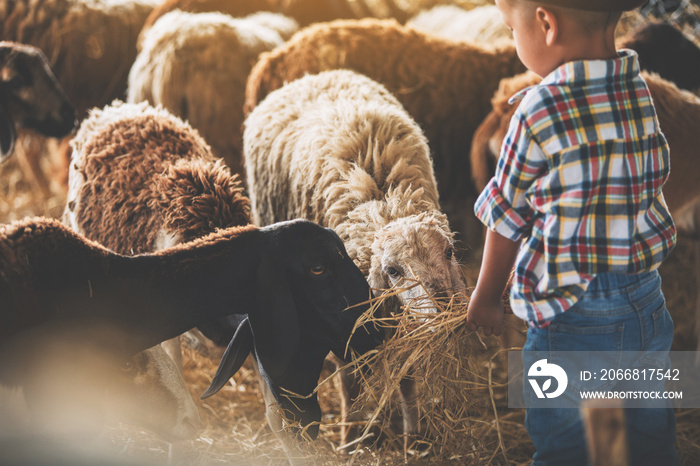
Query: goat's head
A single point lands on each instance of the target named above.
(30, 96)
(309, 296)
(149, 391)
(416, 256)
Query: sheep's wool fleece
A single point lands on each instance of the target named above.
(445, 85)
(338, 149)
(196, 66)
(138, 171)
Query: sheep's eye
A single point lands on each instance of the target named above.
(393, 272)
(318, 270)
(127, 366)
(449, 253)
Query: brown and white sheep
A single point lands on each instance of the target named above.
(293, 280)
(142, 180)
(444, 85)
(338, 149)
(196, 66)
(158, 183)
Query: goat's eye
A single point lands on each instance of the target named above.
(449, 253)
(393, 272)
(127, 366)
(318, 270)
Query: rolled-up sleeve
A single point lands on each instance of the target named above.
(503, 206)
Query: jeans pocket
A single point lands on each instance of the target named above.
(663, 330)
(592, 348)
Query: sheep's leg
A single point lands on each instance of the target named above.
(349, 391)
(410, 412)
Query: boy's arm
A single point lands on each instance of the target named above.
(486, 305)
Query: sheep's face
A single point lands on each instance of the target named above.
(150, 392)
(416, 255)
(32, 93)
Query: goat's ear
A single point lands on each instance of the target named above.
(7, 134)
(275, 322)
(235, 355)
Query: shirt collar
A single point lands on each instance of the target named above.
(589, 72)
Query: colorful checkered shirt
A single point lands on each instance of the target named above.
(579, 181)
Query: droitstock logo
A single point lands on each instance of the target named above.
(544, 371)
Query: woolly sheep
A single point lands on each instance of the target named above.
(159, 184)
(196, 66)
(444, 85)
(481, 24)
(338, 149)
(30, 97)
(290, 279)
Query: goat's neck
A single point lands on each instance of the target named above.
(166, 293)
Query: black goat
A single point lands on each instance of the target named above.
(294, 281)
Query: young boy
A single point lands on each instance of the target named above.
(576, 206)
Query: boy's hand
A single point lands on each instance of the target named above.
(487, 314)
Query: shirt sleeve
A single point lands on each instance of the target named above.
(504, 206)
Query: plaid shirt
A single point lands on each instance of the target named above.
(579, 181)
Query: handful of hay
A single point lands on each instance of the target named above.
(451, 368)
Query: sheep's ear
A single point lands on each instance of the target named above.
(275, 322)
(236, 353)
(7, 134)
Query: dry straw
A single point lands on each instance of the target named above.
(458, 394)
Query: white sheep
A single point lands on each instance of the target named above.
(482, 24)
(445, 85)
(196, 66)
(338, 149)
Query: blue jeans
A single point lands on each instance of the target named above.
(617, 313)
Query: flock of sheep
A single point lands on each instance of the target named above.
(274, 168)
